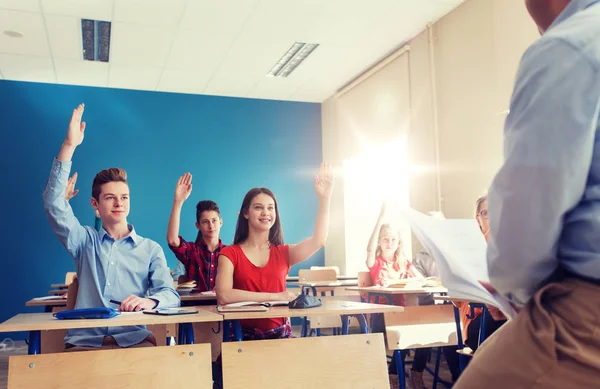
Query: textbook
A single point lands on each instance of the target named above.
(250, 306)
(459, 250)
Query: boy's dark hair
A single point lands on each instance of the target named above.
(205, 205)
(114, 174)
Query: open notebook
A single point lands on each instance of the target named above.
(459, 251)
(250, 306)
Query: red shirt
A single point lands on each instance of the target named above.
(268, 279)
(200, 263)
(383, 271)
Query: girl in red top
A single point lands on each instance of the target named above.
(384, 256)
(256, 266)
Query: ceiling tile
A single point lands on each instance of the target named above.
(21, 5)
(149, 12)
(81, 72)
(140, 45)
(214, 16)
(88, 9)
(184, 81)
(65, 36)
(133, 77)
(27, 68)
(31, 25)
(199, 50)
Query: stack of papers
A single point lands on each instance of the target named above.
(459, 251)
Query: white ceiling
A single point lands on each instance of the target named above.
(214, 47)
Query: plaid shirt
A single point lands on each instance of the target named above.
(281, 332)
(200, 263)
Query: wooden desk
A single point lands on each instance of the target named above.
(317, 284)
(329, 307)
(36, 322)
(49, 304)
(410, 293)
(456, 300)
(57, 292)
(198, 299)
(340, 278)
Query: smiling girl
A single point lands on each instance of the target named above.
(255, 267)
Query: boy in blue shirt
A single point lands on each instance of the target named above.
(112, 264)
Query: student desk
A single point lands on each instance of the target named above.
(387, 293)
(313, 285)
(57, 292)
(59, 286)
(47, 304)
(340, 278)
(36, 322)
(329, 307)
(197, 299)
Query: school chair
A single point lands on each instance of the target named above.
(54, 341)
(336, 268)
(148, 367)
(463, 351)
(328, 362)
(318, 323)
(69, 277)
(421, 327)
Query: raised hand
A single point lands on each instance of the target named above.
(324, 181)
(76, 127)
(183, 188)
(384, 208)
(70, 190)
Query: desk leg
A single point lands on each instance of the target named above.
(461, 358)
(226, 331)
(189, 333)
(400, 368)
(304, 330)
(35, 344)
(483, 326)
(345, 320)
(237, 330)
(180, 334)
(362, 321)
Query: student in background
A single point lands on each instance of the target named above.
(385, 259)
(495, 319)
(199, 258)
(256, 266)
(387, 264)
(179, 273)
(112, 264)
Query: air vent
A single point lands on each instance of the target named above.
(95, 36)
(292, 59)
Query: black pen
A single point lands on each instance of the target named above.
(115, 302)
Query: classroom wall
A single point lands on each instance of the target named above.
(460, 74)
(229, 145)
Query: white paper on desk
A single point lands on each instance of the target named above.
(459, 251)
